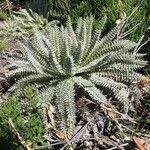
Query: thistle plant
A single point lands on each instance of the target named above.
(22, 23)
(62, 59)
(27, 19)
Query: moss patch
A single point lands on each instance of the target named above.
(29, 124)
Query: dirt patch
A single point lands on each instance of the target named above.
(12, 50)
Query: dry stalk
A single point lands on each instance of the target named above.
(124, 116)
(122, 145)
(14, 130)
(8, 5)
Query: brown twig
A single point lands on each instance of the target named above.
(124, 116)
(14, 130)
(122, 145)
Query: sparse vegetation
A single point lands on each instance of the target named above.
(3, 15)
(3, 45)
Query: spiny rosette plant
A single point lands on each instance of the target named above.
(63, 59)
